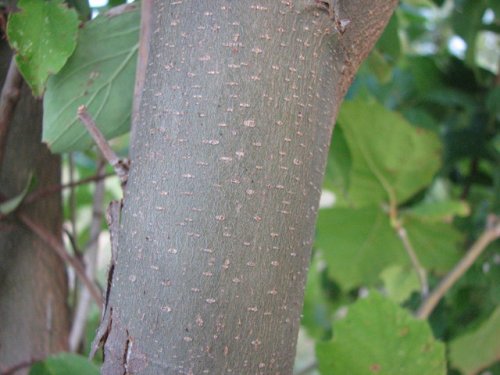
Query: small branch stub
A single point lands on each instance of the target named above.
(333, 9)
(121, 166)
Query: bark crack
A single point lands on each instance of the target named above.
(127, 353)
(103, 331)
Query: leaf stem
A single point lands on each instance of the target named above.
(403, 236)
(422, 275)
(490, 234)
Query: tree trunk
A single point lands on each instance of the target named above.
(229, 153)
(33, 287)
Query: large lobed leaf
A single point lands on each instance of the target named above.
(43, 34)
(379, 337)
(100, 74)
(358, 244)
(391, 160)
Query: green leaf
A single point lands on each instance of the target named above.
(389, 43)
(82, 7)
(467, 21)
(338, 166)
(319, 302)
(379, 66)
(44, 36)
(65, 364)
(478, 349)
(399, 282)
(11, 205)
(358, 244)
(492, 101)
(100, 75)
(439, 211)
(379, 337)
(391, 160)
(425, 73)
(437, 244)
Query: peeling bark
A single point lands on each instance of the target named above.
(229, 148)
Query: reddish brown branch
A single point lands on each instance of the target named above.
(9, 97)
(59, 249)
(42, 193)
(120, 166)
(488, 236)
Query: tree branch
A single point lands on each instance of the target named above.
(9, 98)
(120, 167)
(50, 240)
(491, 233)
(42, 193)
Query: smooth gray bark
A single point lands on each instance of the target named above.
(229, 153)
(34, 319)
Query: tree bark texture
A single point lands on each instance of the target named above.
(229, 152)
(34, 318)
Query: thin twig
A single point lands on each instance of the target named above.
(9, 97)
(120, 9)
(42, 193)
(490, 234)
(120, 166)
(72, 240)
(82, 307)
(59, 249)
(72, 202)
(422, 275)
